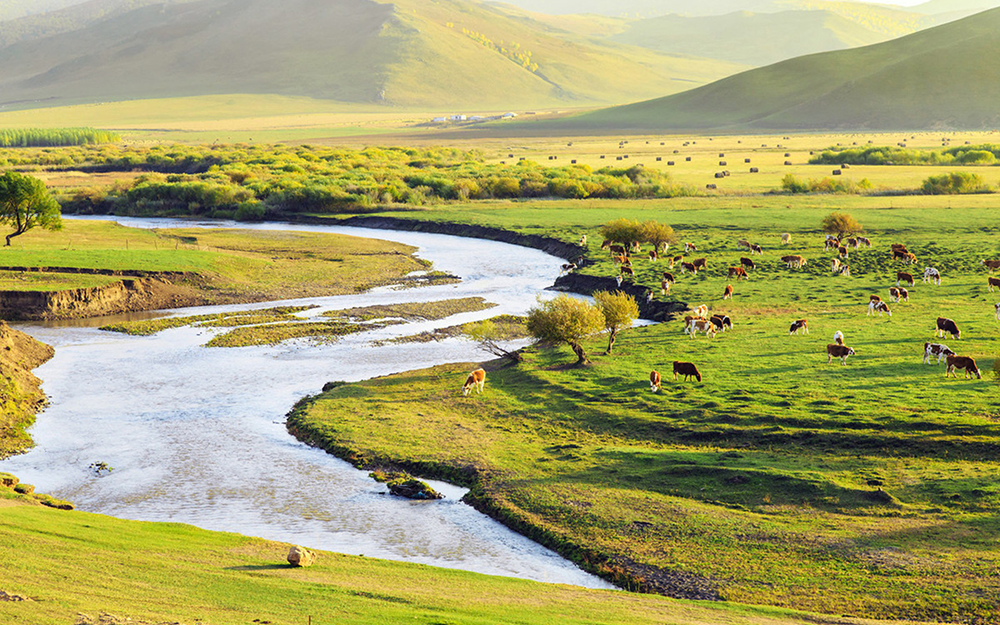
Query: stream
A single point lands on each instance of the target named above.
(196, 435)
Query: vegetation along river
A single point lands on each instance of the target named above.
(196, 435)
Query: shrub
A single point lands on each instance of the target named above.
(957, 182)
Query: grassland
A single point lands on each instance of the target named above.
(867, 490)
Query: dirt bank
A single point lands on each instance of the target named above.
(20, 391)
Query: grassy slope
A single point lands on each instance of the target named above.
(881, 86)
(755, 481)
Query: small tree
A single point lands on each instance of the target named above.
(619, 310)
(657, 234)
(623, 231)
(841, 224)
(26, 203)
(565, 319)
(488, 335)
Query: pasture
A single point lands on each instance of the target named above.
(868, 489)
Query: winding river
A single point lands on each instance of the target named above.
(197, 436)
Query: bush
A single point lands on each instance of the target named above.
(954, 183)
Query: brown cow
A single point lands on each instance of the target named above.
(838, 351)
(606, 244)
(654, 381)
(911, 258)
(794, 262)
(852, 242)
(900, 255)
(801, 324)
(475, 380)
(664, 287)
(756, 249)
(874, 298)
(831, 243)
(898, 247)
(842, 251)
(747, 262)
(865, 242)
(669, 277)
(700, 263)
(653, 255)
(690, 247)
(879, 307)
(902, 276)
(686, 369)
(899, 293)
(688, 267)
(962, 362)
(627, 271)
(617, 250)
(835, 265)
(739, 272)
(743, 243)
(947, 326)
(992, 264)
(993, 282)
(728, 292)
(675, 259)
(702, 325)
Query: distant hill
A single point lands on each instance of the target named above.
(646, 8)
(13, 9)
(427, 53)
(943, 77)
(955, 6)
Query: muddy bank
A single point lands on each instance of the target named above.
(126, 295)
(20, 390)
(652, 311)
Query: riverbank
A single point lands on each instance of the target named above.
(20, 390)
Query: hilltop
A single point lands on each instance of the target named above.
(944, 77)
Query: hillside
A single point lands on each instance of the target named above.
(437, 53)
(944, 77)
(13, 9)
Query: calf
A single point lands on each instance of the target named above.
(686, 369)
(756, 249)
(838, 337)
(475, 380)
(702, 325)
(583, 241)
(801, 324)
(993, 282)
(899, 293)
(690, 247)
(700, 263)
(932, 275)
(739, 272)
(936, 349)
(947, 326)
(794, 262)
(962, 362)
(992, 265)
(721, 322)
(688, 267)
(835, 350)
(727, 293)
(902, 276)
(747, 262)
(879, 307)
(654, 381)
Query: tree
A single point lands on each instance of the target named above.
(619, 310)
(623, 231)
(841, 225)
(26, 203)
(565, 319)
(657, 234)
(488, 335)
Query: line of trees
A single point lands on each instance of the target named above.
(984, 154)
(55, 137)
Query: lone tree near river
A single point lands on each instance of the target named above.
(566, 319)
(26, 203)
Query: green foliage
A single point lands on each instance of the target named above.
(619, 309)
(624, 231)
(954, 183)
(841, 225)
(26, 203)
(658, 235)
(54, 137)
(565, 319)
(791, 184)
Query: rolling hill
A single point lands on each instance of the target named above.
(430, 53)
(943, 77)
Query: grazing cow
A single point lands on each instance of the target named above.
(606, 244)
(993, 282)
(622, 260)
(902, 276)
(747, 262)
(996, 311)
(649, 296)
(756, 249)
(865, 242)
(836, 350)
(627, 271)
(568, 267)
(722, 322)
(653, 255)
(675, 259)
(838, 337)
(700, 263)
(583, 241)
(911, 258)
(617, 250)
(665, 286)
(899, 293)
(794, 262)
(786, 238)
(743, 243)
(728, 292)
(900, 255)
(688, 267)
(992, 264)
(842, 251)
(962, 362)
(832, 243)
(936, 349)
(852, 242)
(739, 272)
(932, 275)
(618, 279)
(702, 325)
(879, 307)
(701, 311)
(688, 320)
(475, 380)
(690, 247)
(835, 265)
(898, 247)
(845, 271)
(947, 326)
(686, 369)
(801, 324)
(669, 277)
(654, 381)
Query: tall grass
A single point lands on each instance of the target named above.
(55, 137)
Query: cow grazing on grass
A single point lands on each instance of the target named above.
(786, 238)
(756, 249)
(801, 324)
(992, 265)
(475, 380)
(747, 262)
(685, 267)
(831, 244)
(835, 350)
(852, 242)
(936, 349)
(653, 256)
(654, 381)
(686, 369)
(701, 311)
(568, 267)
(619, 279)
(690, 247)
(834, 265)
(722, 322)
(996, 311)
(874, 298)
(838, 337)
(794, 262)
(702, 325)
(898, 247)
(727, 293)
(902, 255)
(675, 259)
(845, 270)
(993, 283)
(665, 286)
(902, 276)
(605, 244)
(932, 275)
(583, 241)
(739, 272)
(669, 277)
(842, 251)
(743, 243)
(863, 242)
(879, 307)
(700, 263)
(911, 258)
(962, 362)
(947, 326)
(627, 271)
(899, 293)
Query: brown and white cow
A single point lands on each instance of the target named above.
(993, 282)
(794, 262)
(992, 265)
(568, 267)
(756, 249)
(898, 247)
(835, 350)
(800, 324)
(627, 271)
(879, 307)
(852, 242)
(583, 241)
(962, 362)
(902, 276)
(739, 272)
(743, 243)
(932, 275)
(654, 381)
(900, 255)
(476, 379)
(669, 277)
(701, 311)
(700, 263)
(835, 265)
(702, 325)
(665, 286)
(838, 337)
(936, 349)
(722, 322)
(947, 326)
(842, 251)
(617, 250)
(845, 271)
(747, 262)
(874, 298)
(685, 267)
(899, 293)
(653, 256)
(862, 241)
(911, 258)
(686, 369)
(727, 293)
(831, 244)
(690, 247)
(605, 244)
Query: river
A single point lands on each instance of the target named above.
(196, 435)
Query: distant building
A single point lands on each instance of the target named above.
(458, 118)
(509, 115)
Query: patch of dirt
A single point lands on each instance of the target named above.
(110, 619)
(6, 596)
